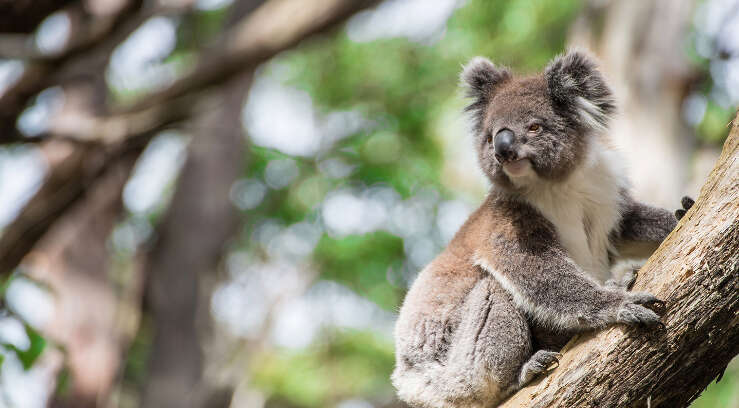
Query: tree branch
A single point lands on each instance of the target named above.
(696, 271)
(273, 27)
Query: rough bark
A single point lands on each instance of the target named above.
(696, 271)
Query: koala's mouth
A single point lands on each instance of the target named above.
(517, 168)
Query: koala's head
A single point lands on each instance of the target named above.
(536, 127)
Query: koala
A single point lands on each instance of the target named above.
(530, 267)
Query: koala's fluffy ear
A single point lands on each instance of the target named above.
(578, 88)
(481, 77)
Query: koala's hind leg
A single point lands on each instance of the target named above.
(625, 282)
(489, 347)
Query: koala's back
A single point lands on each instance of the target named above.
(439, 290)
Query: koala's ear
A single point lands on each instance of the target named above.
(480, 77)
(578, 88)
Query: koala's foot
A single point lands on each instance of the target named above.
(686, 203)
(642, 309)
(626, 281)
(538, 363)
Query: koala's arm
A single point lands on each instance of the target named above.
(549, 287)
(642, 229)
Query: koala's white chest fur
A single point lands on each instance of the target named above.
(585, 208)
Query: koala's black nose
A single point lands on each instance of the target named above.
(503, 144)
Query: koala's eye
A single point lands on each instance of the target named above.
(534, 128)
(489, 139)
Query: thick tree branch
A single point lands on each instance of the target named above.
(696, 271)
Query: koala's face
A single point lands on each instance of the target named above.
(536, 128)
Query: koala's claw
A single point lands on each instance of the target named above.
(539, 363)
(686, 203)
(649, 301)
(635, 314)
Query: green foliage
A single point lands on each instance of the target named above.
(63, 382)
(362, 262)
(714, 128)
(37, 343)
(722, 394)
(134, 372)
(343, 365)
(34, 350)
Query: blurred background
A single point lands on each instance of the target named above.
(222, 203)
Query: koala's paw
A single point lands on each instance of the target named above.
(686, 203)
(539, 363)
(626, 281)
(642, 309)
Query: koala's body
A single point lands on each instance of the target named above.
(528, 269)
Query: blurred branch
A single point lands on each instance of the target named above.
(273, 27)
(696, 271)
(22, 16)
(71, 170)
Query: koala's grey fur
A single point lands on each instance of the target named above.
(526, 271)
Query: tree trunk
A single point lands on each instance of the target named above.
(695, 271)
(639, 43)
(193, 237)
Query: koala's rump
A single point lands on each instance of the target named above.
(431, 311)
(458, 334)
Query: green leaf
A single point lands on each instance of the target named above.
(38, 344)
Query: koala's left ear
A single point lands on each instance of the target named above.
(482, 79)
(578, 88)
